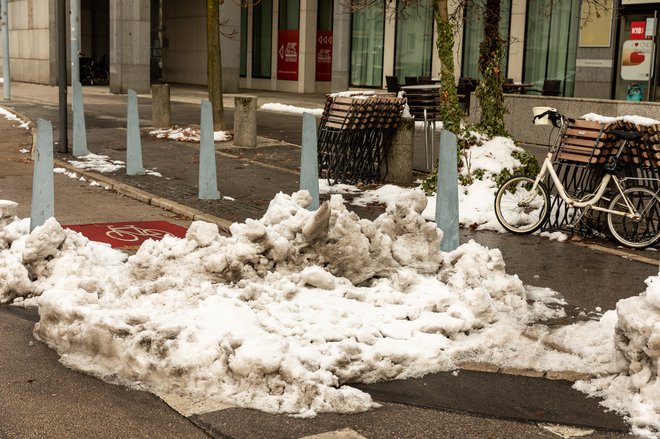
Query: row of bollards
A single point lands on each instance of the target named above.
(446, 213)
(43, 197)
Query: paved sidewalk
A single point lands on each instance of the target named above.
(251, 177)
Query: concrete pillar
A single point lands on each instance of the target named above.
(307, 40)
(341, 47)
(130, 57)
(400, 154)
(160, 105)
(245, 121)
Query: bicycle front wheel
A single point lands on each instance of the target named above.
(518, 208)
(636, 233)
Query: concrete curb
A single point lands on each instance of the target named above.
(549, 374)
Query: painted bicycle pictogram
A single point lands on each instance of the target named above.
(133, 233)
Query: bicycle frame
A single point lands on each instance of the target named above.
(595, 197)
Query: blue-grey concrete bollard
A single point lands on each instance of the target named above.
(309, 168)
(446, 197)
(133, 142)
(43, 187)
(79, 133)
(208, 181)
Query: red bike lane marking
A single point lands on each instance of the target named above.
(129, 234)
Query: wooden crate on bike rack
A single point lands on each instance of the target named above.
(584, 142)
(582, 151)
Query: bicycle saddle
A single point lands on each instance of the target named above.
(627, 135)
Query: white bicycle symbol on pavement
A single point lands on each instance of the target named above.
(134, 233)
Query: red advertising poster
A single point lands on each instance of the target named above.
(637, 30)
(324, 55)
(287, 55)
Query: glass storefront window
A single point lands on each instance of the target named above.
(324, 22)
(551, 43)
(262, 32)
(637, 60)
(289, 14)
(474, 35)
(414, 40)
(367, 32)
(288, 44)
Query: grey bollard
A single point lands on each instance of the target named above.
(309, 168)
(160, 106)
(400, 154)
(43, 186)
(446, 197)
(245, 121)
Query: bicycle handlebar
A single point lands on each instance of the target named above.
(555, 117)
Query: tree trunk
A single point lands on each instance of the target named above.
(214, 65)
(449, 108)
(489, 92)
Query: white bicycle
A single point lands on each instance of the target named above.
(522, 204)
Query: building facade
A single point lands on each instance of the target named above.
(317, 46)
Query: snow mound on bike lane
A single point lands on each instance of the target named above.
(288, 310)
(636, 392)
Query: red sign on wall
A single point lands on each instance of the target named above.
(324, 55)
(637, 30)
(287, 55)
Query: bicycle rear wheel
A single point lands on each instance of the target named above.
(636, 233)
(519, 209)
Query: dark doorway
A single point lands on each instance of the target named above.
(156, 40)
(95, 30)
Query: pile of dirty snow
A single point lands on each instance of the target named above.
(294, 307)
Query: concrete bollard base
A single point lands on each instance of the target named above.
(160, 105)
(400, 154)
(245, 121)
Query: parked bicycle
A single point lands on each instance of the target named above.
(93, 71)
(522, 204)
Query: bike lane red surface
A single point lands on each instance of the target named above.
(128, 235)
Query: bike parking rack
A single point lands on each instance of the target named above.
(584, 149)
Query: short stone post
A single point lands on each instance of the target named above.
(245, 121)
(446, 194)
(160, 106)
(400, 154)
(43, 186)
